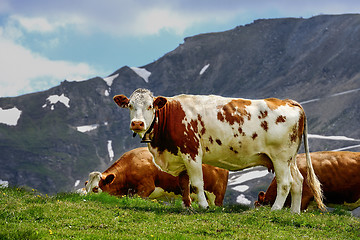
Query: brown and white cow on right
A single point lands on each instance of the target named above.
(338, 172)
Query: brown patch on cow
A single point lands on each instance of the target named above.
(232, 149)
(302, 120)
(171, 134)
(264, 125)
(263, 114)
(202, 124)
(241, 131)
(294, 133)
(207, 149)
(218, 142)
(234, 111)
(254, 136)
(280, 119)
(211, 140)
(297, 130)
(236, 135)
(274, 103)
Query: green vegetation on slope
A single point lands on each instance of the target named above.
(29, 215)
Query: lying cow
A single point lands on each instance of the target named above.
(338, 173)
(136, 173)
(185, 131)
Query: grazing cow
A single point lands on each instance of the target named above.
(338, 173)
(136, 173)
(185, 131)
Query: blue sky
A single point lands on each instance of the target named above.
(43, 42)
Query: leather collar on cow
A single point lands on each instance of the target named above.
(147, 136)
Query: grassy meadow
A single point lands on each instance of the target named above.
(26, 214)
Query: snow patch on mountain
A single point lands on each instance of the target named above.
(142, 72)
(110, 150)
(338, 138)
(87, 128)
(204, 69)
(246, 177)
(10, 116)
(4, 184)
(109, 80)
(54, 99)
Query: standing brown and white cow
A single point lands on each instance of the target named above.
(185, 131)
(135, 173)
(338, 173)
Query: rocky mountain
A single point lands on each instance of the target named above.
(56, 137)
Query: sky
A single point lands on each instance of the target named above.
(44, 42)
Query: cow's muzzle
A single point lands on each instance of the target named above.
(137, 126)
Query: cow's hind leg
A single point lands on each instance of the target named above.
(283, 180)
(296, 187)
(194, 170)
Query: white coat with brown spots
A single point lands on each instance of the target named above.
(185, 131)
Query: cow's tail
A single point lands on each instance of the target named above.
(312, 180)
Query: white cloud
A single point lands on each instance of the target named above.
(43, 24)
(24, 71)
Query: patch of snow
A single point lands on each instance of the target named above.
(53, 99)
(142, 72)
(247, 176)
(10, 116)
(346, 92)
(87, 128)
(241, 188)
(204, 69)
(339, 138)
(4, 184)
(77, 182)
(243, 200)
(345, 148)
(110, 150)
(309, 101)
(333, 95)
(109, 80)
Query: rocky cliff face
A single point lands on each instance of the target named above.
(66, 132)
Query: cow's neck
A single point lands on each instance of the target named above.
(147, 138)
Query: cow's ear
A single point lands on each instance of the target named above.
(159, 102)
(86, 183)
(109, 179)
(261, 197)
(122, 101)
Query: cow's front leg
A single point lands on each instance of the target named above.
(194, 170)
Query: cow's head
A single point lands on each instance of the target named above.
(98, 183)
(262, 201)
(93, 184)
(142, 106)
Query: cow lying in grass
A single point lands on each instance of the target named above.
(136, 173)
(338, 172)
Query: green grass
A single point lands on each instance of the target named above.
(26, 214)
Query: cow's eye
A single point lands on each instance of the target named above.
(131, 107)
(149, 107)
